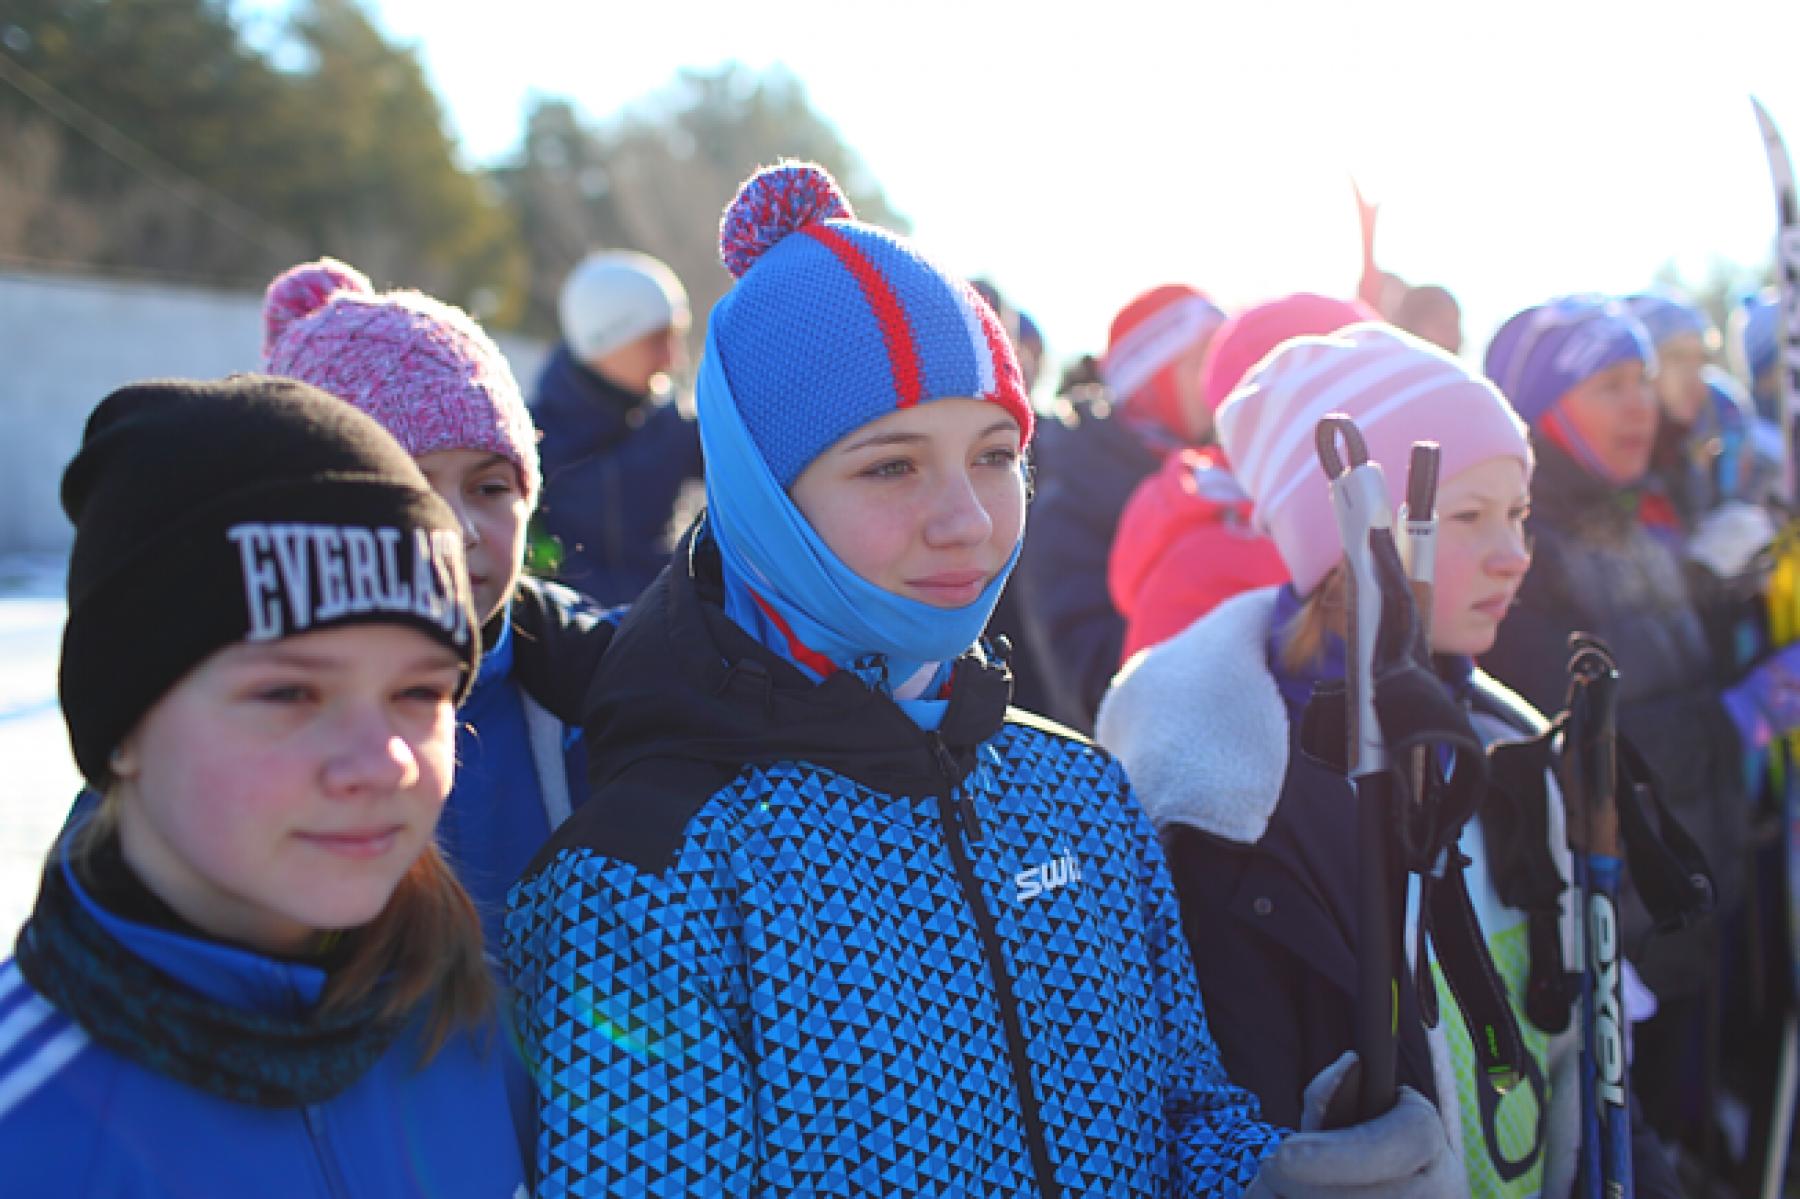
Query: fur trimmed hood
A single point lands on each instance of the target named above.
(1199, 724)
(1203, 732)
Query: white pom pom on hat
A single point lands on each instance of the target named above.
(614, 297)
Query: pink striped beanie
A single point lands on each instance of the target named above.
(422, 368)
(1396, 387)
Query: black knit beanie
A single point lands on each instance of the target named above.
(247, 509)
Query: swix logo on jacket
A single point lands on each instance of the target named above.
(1057, 872)
(298, 575)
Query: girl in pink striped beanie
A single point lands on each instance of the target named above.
(1399, 390)
(1260, 838)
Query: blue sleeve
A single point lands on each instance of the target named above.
(1220, 1138)
(632, 1029)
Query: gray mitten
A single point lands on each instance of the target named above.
(1402, 1155)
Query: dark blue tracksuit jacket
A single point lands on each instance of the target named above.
(78, 1120)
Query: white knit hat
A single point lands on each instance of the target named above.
(614, 297)
(1397, 388)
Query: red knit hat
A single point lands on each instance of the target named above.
(1148, 336)
(1252, 335)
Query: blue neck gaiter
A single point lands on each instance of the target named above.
(786, 588)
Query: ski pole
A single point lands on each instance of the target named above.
(1781, 607)
(1591, 776)
(1418, 547)
(1359, 499)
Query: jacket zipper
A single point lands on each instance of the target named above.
(956, 809)
(328, 1166)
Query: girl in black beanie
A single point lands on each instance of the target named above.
(248, 970)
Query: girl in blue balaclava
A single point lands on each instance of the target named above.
(836, 921)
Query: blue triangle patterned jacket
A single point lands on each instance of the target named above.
(795, 945)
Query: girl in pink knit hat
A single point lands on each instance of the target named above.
(434, 380)
(1261, 838)
(1185, 544)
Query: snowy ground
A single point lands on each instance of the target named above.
(37, 776)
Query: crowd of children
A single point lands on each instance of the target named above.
(404, 872)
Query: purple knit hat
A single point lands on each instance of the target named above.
(423, 369)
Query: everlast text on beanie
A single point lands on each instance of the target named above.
(248, 509)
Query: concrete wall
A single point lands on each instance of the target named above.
(66, 341)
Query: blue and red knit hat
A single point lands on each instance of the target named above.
(834, 323)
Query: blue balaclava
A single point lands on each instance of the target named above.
(832, 325)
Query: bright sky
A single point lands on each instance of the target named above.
(1079, 153)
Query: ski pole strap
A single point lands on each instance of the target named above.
(1500, 1054)
(1415, 711)
(1671, 873)
(1515, 824)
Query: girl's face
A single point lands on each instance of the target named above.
(1680, 386)
(284, 788)
(484, 491)
(1614, 413)
(927, 502)
(1481, 554)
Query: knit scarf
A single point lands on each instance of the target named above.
(786, 587)
(145, 1016)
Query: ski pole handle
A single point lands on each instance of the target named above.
(1418, 549)
(1359, 499)
(1419, 526)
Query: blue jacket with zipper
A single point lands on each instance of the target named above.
(77, 1119)
(796, 945)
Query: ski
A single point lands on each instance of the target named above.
(1782, 615)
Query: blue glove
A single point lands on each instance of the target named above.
(1766, 704)
(1402, 1155)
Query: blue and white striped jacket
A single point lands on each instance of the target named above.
(78, 1120)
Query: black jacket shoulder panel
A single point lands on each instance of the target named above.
(559, 639)
(642, 816)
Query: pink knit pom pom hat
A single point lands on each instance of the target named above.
(422, 368)
(1396, 388)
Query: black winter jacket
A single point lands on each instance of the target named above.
(1086, 471)
(614, 464)
(1597, 569)
(1258, 838)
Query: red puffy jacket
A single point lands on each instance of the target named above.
(1184, 546)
